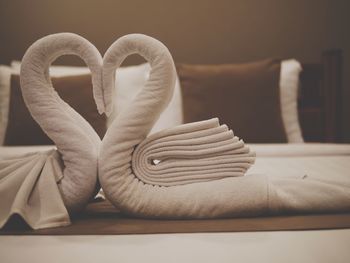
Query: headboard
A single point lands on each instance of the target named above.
(319, 102)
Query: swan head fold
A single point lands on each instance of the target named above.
(40, 55)
(163, 72)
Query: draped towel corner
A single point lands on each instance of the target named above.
(29, 188)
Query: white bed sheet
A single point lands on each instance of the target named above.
(285, 246)
(299, 160)
(300, 149)
(280, 246)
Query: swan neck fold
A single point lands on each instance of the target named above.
(145, 109)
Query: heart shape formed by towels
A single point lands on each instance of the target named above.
(189, 154)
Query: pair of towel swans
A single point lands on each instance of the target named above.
(189, 171)
(123, 161)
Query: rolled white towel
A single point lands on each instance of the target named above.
(190, 153)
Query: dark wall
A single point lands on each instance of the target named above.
(196, 31)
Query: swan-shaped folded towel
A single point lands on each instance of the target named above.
(43, 187)
(136, 187)
(190, 153)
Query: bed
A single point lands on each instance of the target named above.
(319, 113)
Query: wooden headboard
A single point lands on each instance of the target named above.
(319, 102)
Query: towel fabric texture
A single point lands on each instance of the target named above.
(32, 179)
(250, 195)
(190, 153)
(190, 171)
(44, 187)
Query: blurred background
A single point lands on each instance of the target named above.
(197, 31)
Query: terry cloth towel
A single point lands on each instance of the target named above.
(189, 153)
(251, 195)
(34, 194)
(43, 186)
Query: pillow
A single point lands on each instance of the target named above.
(246, 97)
(75, 90)
(289, 84)
(5, 76)
(129, 81)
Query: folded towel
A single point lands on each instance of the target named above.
(131, 184)
(66, 177)
(28, 188)
(190, 153)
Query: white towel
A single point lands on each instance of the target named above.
(190, 153)
(130, 185)
(42, 186)
(28, 188)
